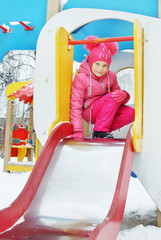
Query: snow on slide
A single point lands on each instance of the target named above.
(71, 189)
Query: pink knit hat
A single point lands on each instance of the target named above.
(101, 51)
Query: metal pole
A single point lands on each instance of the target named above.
(100, 40)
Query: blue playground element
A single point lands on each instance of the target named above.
(133, 175)
(144, 7)
(113, 28)
(18, 10)
(110, 27)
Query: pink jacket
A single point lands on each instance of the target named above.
(86, 89)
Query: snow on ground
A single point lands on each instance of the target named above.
(140, 212)
(11, 185)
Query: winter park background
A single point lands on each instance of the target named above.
(140, 215)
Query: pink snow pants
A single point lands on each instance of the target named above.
(108, 115)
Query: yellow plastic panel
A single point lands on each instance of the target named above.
(37, 150)
(137, 129)
(21, 154)
(64, 72)
(16, 168)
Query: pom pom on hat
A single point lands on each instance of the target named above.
(112, 46)
(89, 46)
(101, 51)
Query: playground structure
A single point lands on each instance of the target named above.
(46, 213)
(19, 139)
(14, 29)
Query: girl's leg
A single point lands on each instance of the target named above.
(103, 113)
(124, 116)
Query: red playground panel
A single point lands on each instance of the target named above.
(20, 133)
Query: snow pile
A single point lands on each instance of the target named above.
(11, 184)
(141, 233)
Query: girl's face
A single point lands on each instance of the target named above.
(99, 68)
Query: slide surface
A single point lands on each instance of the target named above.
(71, 189)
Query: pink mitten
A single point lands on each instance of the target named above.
(77, 135)
(119, 96)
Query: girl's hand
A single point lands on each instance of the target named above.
(77, 135)
(119, 96)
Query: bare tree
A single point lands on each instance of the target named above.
(17, 66)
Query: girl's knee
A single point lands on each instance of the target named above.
(132, 113)
(108, 97)
(128, 111)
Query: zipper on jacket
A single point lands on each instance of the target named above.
(85, 104)
(102, 86)
(108, 83)
(90, 86)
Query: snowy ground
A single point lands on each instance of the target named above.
(140, 213)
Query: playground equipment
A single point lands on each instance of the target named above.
(64, 59)
(18, 138)
(15, 127)
(81, 197)
(33, 19)
(20, 134)
(48, 210)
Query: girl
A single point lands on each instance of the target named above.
(96, 96)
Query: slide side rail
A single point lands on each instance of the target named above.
(110, 227)
(11, 214)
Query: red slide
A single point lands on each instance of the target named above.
(108, 229)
